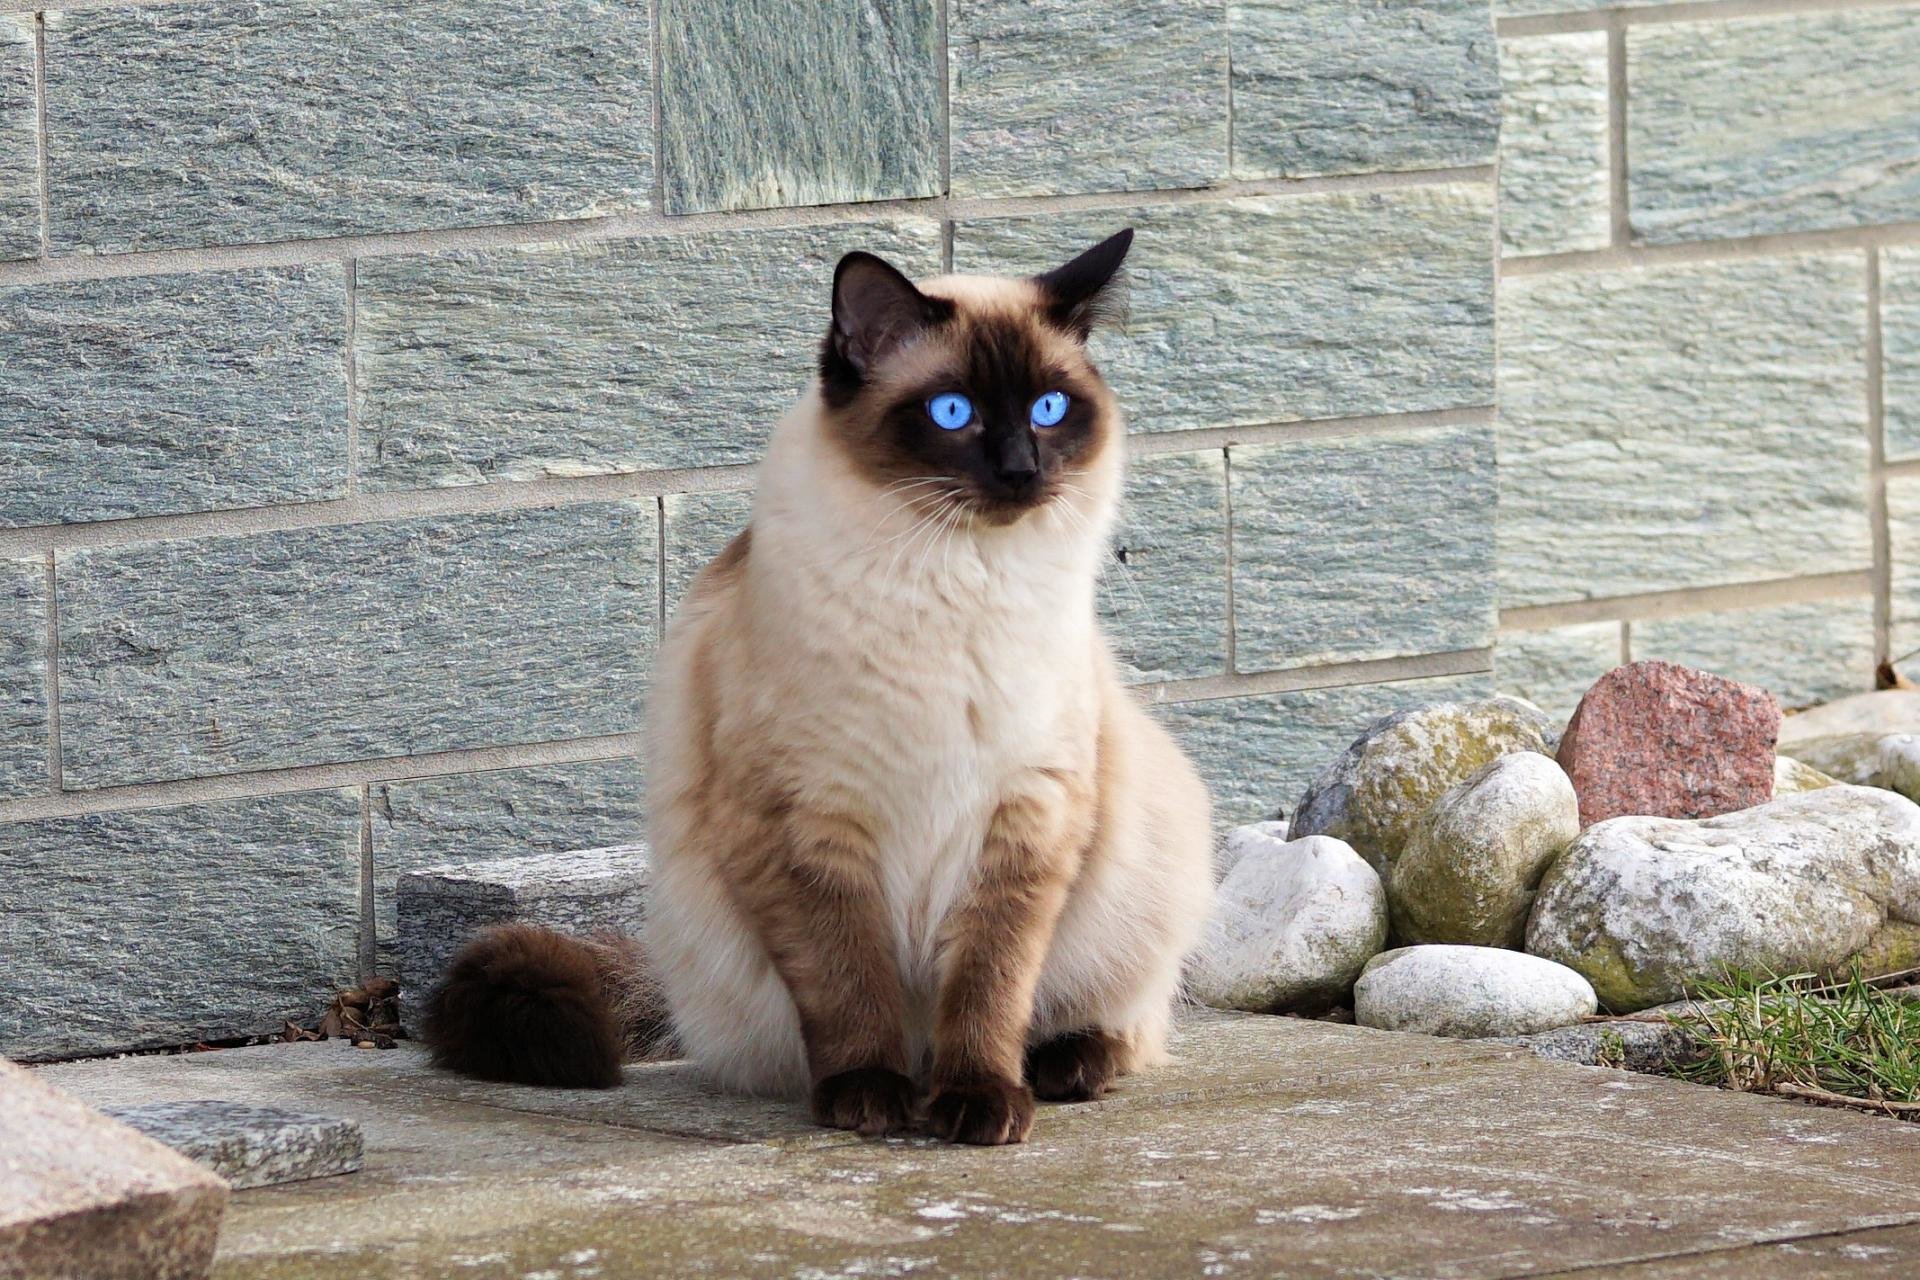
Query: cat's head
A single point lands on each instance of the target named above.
(970, 390)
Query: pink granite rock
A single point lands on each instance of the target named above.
(1667, 741)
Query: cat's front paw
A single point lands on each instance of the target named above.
(868, 1100)
(983, 1112)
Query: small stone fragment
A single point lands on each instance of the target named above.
(250, 1146)
(1791, 776)
(1468, 992)
(1659, 739)
(1653, 1046)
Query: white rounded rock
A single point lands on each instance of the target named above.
(1469, 992)
(1293, 923)
(1255, 835)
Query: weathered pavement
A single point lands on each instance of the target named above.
(1274, 1147)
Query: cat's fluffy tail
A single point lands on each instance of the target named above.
(528, 1005)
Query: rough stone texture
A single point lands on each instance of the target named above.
(1163, 595)
(1348, 86)
(1266, 309)
(1654, 1047)
(576, 892)
(1903, 528)
(1646, 906)
(82, 1196)
(19, 140)
(1667, 741)
(1048, 97)
(1698, 425)
(1882, 711)
(1292, 925)
(1790, 776)
(1553, 669)
(698, 527)
(1801, 653)
(766, 103)
(250, 120)
(508, 813)
(1900, 335)
(159, 394)
(1258, 753)
(1783, 124)
(23, 677)
(1363, 547)
(1241, 841)
(1553, 144)
(566, 360)
(1527, 8)
(212, 655)
(1374, 794)
(1469, 868)
(153, 927)
(1468, 992)
(249, 1146)
(1889, 760)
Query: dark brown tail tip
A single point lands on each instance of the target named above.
(526, 1006)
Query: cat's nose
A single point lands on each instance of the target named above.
(1020, 480)
(1018, 466)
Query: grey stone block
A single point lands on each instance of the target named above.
(159, 394)
(250, 120)
(1163, 594)
(155, 927)
(249, 1146)
(575, 892)
(23, 677)
(1362, 547)
(1553, 669)
(1049, 98)
(766, 103)
(82, 1196)
(19, 140)
(1755, 126)
(1903, 528)
(1645, 1046)
(1554, 194)
(558, 360)
(1353, 86)
(1900, 336)
(698, 527)
(215, 655)
(1682, 426)
(1802, 653)
(1274, 309)
(1258, 753)
(1529, 8)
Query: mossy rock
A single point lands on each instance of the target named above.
(1790, 777)
(1890, 761)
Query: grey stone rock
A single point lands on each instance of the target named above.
(23, 677)
(579, 891)
(1270, 309)
(1903, 528)
(1046, 98)
(1259, 752)
(1880, 712)
(1698, 424)
(1554, 186)
(1375, 793)
(698, 527)
(1900, 336)
(159, 394)
(1469, 992)
(1887, 760)
(1644, 907)
(1801, 653)
(153, 927)
(250, 120)
(1345, 86)
(19, 140)
(567, 360)
(249, 1146)
(766, 103)
(1653, 1048)
(1241, 841)
(1292, 925)
(1553, 669)
(1790, 776)
(1363, 547)
(1469, 868)
(83, 1196)
(1163, 594)
(212, 655)
(1753, 127)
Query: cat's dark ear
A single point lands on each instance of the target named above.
(1089, 290)
(875, 310)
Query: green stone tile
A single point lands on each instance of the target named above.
(1044, 100)
(1356, 86)
(1900, 341)
(1763, 125)
(23, 677)
(1684, 426)
(563, 360)
(699, 526)
(19, 140)
(1362, 547)
(167, 926)
(1803, 653)
(767, 103)
(1553, 669)
(1163, 595)
(151, 395)
(1554, 194)
(1271, 309)
(249, 120)
(223, 654)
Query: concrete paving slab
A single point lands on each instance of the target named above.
(249, 1146)
(1851, 1255)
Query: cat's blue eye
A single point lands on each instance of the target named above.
(1049, 409)
(950, 411)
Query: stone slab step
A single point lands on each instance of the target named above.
(249, 1146)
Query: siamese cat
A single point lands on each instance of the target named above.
(918, 855)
